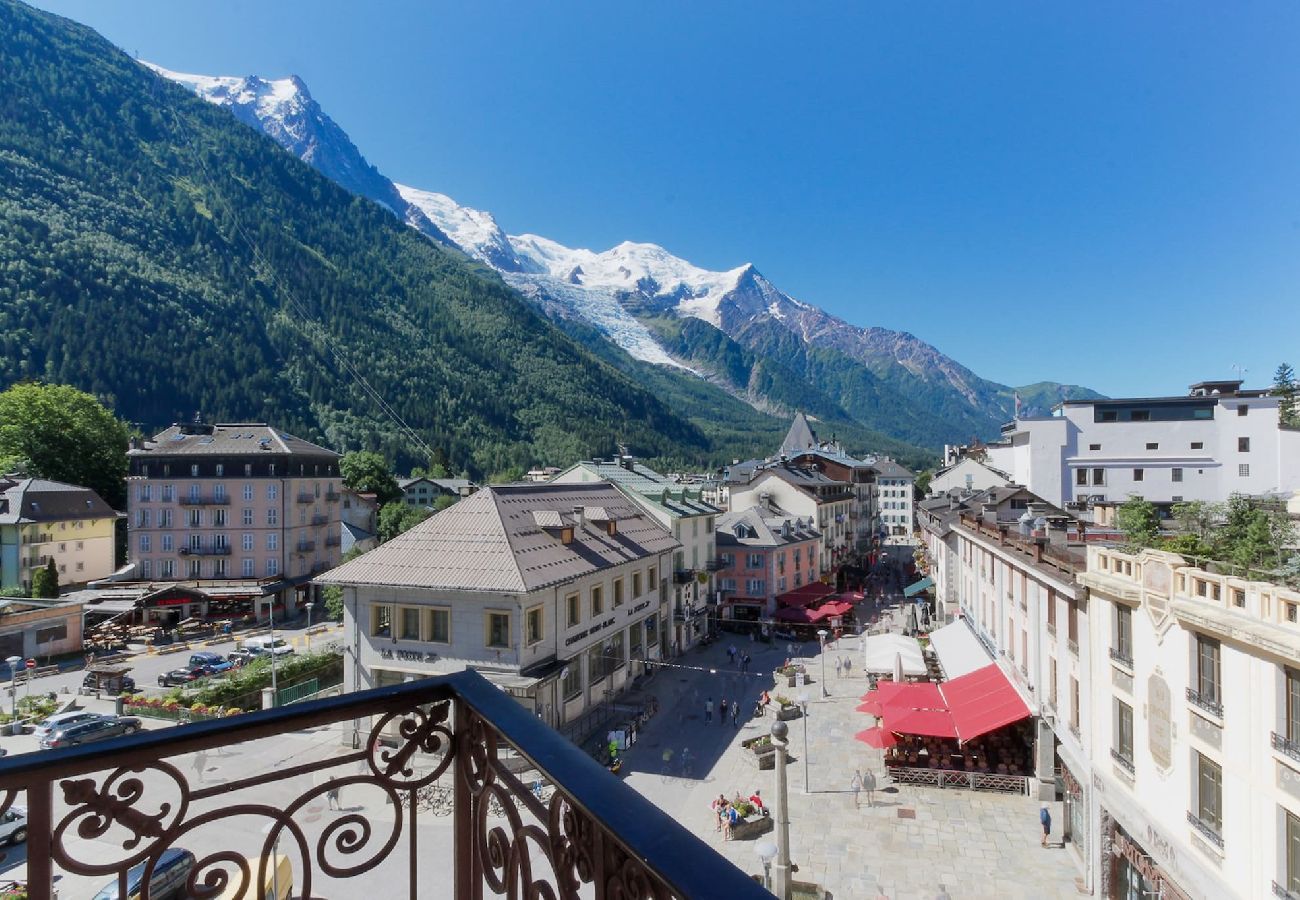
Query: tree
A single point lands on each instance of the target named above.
(1187, 545)
(1288, 396)
(922, 484)
(64, 434)
(396, 517)
(1197, 518)
(1138, 520)
(367, 472)
(45, 582)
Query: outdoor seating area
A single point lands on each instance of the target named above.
(1003, 752)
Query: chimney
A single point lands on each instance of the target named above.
(989, 512)
(135, 443)
(578, 518)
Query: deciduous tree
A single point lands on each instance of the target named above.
(1137, 518)
(367, 472)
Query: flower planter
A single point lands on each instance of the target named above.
(788, 713)
(751, 828)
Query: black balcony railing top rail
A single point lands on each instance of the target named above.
(197, 500)
(1283, 893)
(1285, 745)
(1205, 829)
(206, 550)
(1204, 701)
(434, 748)
(1125, 762)
(1122, 657)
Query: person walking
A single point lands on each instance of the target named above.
(708, 711)
(735, 714)
(848, 664)
(722, 719)
(332, 797)
(839, 667)
(869, 785)
(855, 784)
(1045, 817)
(744, 663)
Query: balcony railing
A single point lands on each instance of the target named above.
(334, 540)
(1285, 745)
(306, 497)
(715, 565)
(197, 500)
(333, 496)
(450, 788)
(1125, 762)
(1283, 893)
(1204, 829)
(320, 519)
(1121, 657)
(208, 550)
(306, 546)
(683, 576)
(1207, 703)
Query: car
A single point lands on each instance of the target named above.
(242, 657)
(97, 729)
(13, 826)
(61, 720)
(181, 676)
(212, 663)
(276, 646)
(168, 879)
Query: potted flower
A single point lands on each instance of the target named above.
(786, 709)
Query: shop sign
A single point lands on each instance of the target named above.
(408, 655)
(587, 632)
(632, 611)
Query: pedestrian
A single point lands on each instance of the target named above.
(708, 711)
(855, 784)
(200, 764)
(744, 663)
(735, 713)
(722, 719)
(731, 654)
(839, 667)
(848, 664)
(332, 797)
(718, 806)
(869, 785)
(1046, 818)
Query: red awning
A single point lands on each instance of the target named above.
(903, 696)
(835, 608)
(931, 722)
(983, 701)
(808, 595)
(800, 616)
(880, 738)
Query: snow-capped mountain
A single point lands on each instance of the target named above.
(284, 110)
(885, 379)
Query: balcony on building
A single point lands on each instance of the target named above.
(203, 499)
(320, 519)
(333, 496)
(1207, 703)
(683, 576)
(450, 788)
(306, 497)
(206, 550)
(306, 546)
(716, 565)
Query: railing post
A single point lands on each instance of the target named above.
(40, 831)
(465, 859)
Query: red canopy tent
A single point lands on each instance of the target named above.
(799, 616)
(880, 738)
(835, 608)
(983, 701)
(932, 722)
(808, 595)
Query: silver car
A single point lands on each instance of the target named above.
(61, 720)
(13, 826)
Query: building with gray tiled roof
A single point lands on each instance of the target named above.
(764, 552)
(557, 592)
(43, 520)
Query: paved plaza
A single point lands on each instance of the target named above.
(913, 844)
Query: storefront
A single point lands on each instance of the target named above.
(1075, 803)
(1134, 874)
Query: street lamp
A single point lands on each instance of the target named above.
(781, 886)
(822, 635)
(275, 695)
(803, 706)
(766, 851)
(13, 688)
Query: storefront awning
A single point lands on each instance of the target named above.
(922, 585)
(928, 722)
(808, 595)
(958, 649)
(882, 650)
(982, 701)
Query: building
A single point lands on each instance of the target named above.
(39, 629)
(424, 491)
(1195, 730)
(691, 520)
(1216, 441)
(808, 494)
(763, 552)
(966, 475)
(895, 491)
(864, 519)
(246, 503)
(42, 520)
(359, 522)
(555, 592)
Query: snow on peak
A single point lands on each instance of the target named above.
(473, 230)
(273, 98)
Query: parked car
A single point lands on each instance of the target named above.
(213, 663)
(181, 676)
(62, 720)
(108, 680)
(276, 646)
(168, 880)
(98, 729)
(13, 826)
(242, 657)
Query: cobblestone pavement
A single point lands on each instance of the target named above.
(912, 845)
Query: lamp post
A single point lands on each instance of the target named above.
(803, 707)
(13, 688)
(275, 694)
(822, 635)
(781, 883)
(766, 852)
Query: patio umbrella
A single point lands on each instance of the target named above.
(878, 737)
(870, 706)
(898, 668)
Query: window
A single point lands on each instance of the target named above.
(1081, 477)
(617, 654)
(1098, 476)
(574, 608)
(164, 518)
(618, 592)
(272, 492)
(754, 561)
(196, 568)
(247, 518)
(219, 568)
(754, 587)
(246, 542)
(1209, 792)
(1243, 445)
(167, 568)
(1292, 874)
(1051, 680)
(246, 568)
(194, 470)
(1243, 470)
(272, 567)
(708, 525)
(1242, 410)
(273, 541)
(53, 633)
(440, 626)
(144, 543)
(196, 542)
(195, 517)
(1094, 446)
(1073, 623)
(409, 623)
(1207, 669)
(1074, 704)
(381, 620)
(636, 584)
(533, 624)
(219, 518)
(142, 518)
(597, 601)
(1124, 730)
(571, 680)
(168, 543)
(1292, 706)
(1151, 445)
(145, 493)
(635, 638)
(1177, 474)
(651, 631)
(248, 492)
(1140, 415)
(248, 470)
(146, 568)
(1124, 633)
(273, 517)
(652, 577)
(1137, 474)
(595, 664)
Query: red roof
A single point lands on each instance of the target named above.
(983, 701)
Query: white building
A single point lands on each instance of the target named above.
(895, 497)
(967, 475)
(806, 493)
(554, 592)
(1217, 441)
(1195, 730)
(691, 520)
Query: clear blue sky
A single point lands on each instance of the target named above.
(1099, 193)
